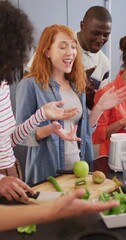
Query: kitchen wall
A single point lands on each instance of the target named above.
(70, 12)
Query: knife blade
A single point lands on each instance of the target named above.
(46, 196)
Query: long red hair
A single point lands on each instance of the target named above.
(42, 67)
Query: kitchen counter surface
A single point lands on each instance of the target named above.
(73, 228)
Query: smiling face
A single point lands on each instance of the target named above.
(94, 34)
(62, 53)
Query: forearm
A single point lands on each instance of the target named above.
(22, 130)
(43, 132)
(24, 215)
(114, 128)
(95, 114)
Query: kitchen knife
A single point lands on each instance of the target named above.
(64, 171)
(46, 196)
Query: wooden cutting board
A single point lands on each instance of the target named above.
(67, 182)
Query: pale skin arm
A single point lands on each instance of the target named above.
(14, 188)
(56, 128)
(64, 207)
(54, 112)
(107, 101)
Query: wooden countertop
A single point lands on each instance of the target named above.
(69, 229)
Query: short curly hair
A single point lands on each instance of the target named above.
(15, 39)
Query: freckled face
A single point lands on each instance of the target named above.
(62, 53)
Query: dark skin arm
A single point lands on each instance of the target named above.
(90, 88)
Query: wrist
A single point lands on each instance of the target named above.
(43, 114)
(121, 123)
(99, 108)
(52, 128)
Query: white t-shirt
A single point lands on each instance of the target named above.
(100, 76)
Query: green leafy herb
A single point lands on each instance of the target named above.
(86, 195)
(104, 197)
(27, 229)
(118, 196)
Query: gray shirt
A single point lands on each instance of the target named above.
(71, 147)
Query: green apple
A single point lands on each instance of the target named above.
(81, 169)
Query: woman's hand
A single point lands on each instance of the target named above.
(111, 98)
(72, 205)
(13, 188)
(107, 101)
(54, 112)
(68, 136)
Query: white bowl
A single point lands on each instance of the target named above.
(114, 221)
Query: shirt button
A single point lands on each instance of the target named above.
(82, 130)
(82, 143)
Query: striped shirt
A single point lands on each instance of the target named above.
(10, 134)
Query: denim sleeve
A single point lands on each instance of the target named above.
(25, 107)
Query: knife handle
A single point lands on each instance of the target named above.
(34, 196)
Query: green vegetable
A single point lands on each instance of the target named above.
(104, 197)
(86, 195)
(118, 209)
(55, 183)
(118, 196)
(27, 229)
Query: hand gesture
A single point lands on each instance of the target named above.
(54, 112)
(14, 188)
(71, 205)
(68, 136)
(111, 98)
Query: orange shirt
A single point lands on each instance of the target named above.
(109, 116)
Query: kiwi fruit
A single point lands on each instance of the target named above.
(98, 177)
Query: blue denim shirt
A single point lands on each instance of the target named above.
(47, 155)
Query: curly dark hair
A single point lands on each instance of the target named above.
(122, 46)
(15, 40)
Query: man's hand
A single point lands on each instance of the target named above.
(13, 188)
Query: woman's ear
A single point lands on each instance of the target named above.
(47, 53)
